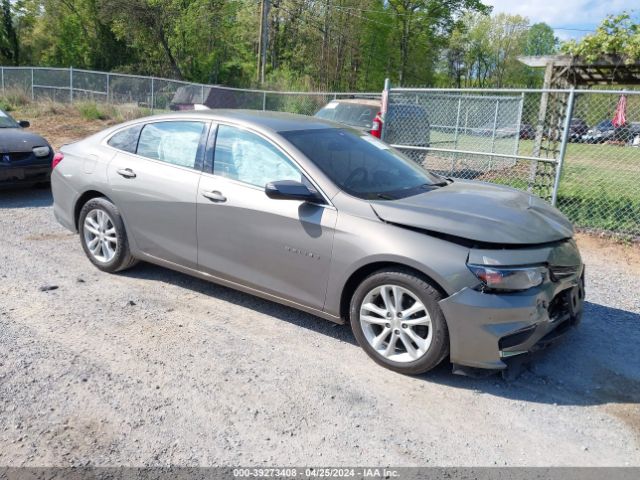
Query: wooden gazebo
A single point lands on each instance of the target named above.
(564, 72)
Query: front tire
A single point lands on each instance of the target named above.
(396, 319)
(103, 236)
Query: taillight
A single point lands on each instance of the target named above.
(376, 126)
(57, 158)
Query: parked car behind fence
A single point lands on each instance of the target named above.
(606, 132)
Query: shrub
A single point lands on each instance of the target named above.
(12, 98)
(94, 111)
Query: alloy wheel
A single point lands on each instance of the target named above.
(396, 323)
(100, 235)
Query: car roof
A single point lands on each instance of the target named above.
(274, 121)
(370, 102)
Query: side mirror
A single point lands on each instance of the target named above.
(24, 124)
(291, 190)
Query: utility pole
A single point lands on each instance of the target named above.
(265, 5)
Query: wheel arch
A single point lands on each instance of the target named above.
(84, 198)
(364, 271)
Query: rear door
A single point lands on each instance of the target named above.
(282, 247)
(155, 187)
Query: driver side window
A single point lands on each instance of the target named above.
(247, 157)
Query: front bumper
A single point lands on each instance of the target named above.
(487, 329)
(27, 174)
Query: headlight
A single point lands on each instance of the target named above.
(41, 151)
(509, 279)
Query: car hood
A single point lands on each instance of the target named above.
(481, 212)
(17, 140)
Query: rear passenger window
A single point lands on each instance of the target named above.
(126, 139)
(177, 143)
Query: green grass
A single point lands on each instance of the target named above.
(94, 111)
(600, 187)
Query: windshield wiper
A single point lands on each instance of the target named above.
(384, 196)
(437, 184)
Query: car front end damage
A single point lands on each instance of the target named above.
(491, 328)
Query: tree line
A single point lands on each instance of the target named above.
(311, 44)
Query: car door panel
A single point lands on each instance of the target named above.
(158, 206)
(274, 245)
(158, 203)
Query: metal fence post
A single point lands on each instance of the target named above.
(108, 88)
(32, 94)
(563, 146)
(493, 137)
(152, 95)
(264, 101)
(516, 147)
(202, 94)
(2, 72)
(456, 134)
(71, 84)
(385, 107)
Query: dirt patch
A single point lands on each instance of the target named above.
(628, 413)
(62, 129)
(605, 250)
(61, 124)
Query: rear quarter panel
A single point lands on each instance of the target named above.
(83, 169)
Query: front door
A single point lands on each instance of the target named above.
(281, 247)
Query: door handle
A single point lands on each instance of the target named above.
(126, 173)
(215, 196)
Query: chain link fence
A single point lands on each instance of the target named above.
(600, 183)
(558, 144)
(157, 94)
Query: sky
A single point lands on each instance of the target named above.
(568, 17)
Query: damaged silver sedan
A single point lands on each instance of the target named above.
(331, 221)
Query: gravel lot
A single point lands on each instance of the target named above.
(152, 367)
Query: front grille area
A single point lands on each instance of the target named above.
(560, 307)
(13, 157)
(517, 338)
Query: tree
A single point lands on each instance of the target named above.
(313, 44)
(67, 32)
(9, 48)
(483, 51)
(617, 35)
(540, 40)
(426, 24)
(146, 21)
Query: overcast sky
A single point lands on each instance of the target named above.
(568, 14)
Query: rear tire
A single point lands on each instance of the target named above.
(404, 307)
(103, 236)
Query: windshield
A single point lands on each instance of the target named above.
(6, 121)
(355, 114)
(361, 165)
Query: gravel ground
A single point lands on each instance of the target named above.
(152, 367)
